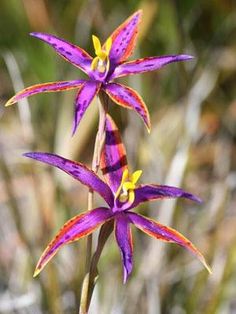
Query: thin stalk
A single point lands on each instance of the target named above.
(104, 234)
(98, 146)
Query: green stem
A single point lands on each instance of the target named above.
(104, 234)
(99, 143)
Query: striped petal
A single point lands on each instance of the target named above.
(72, 53)
(45, 88)
(83, 99)
(125, 243)
(151, 192)
(164, 233)
(73, 230)
(113, 158)
(124, 39)
(128, 98)
(146, 65)
(78, 171)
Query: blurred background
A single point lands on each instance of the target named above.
(192, 145)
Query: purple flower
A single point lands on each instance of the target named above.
(108, 64)
(122, 194)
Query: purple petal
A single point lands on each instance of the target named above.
(113, 157)
(83, 99)
(45, 88)
(72, 53)
(78, 171)
(73, 230)
(151, 192)
(124, 39)
(146, 65)
(128, 98)
(125, 243)
(164, 233)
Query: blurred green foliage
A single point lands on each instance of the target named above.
(193, 114)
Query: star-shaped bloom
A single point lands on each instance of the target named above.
(121, 193)
(109, 63)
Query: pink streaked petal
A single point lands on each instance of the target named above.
(124, 39)
(72, 53)
(164, 233)
(151, 192)
(128, 98)
(83, 99)
(146, 65)
(73, 230)
(125, 243)
(45, 88)
(78, 171)
(113, 158)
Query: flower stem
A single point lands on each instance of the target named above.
(104, 234)
(87, 287)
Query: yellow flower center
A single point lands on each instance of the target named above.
(101, 62)
(125, 192)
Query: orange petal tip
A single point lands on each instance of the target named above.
(10, 102)
(207, 267)
(204, 263)
(148, 126)
(36, 272)
(139, 11)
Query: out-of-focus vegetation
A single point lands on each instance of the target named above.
(192, 144)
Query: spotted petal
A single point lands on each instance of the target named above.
(128, 98)
(151, 192)
(72, 53)
(78, 171)
(125, 243)
(113, 157)
(73, 230)
(146, 65)
(45, 88)
(164, 233)
(124, 39)
(83, 99)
